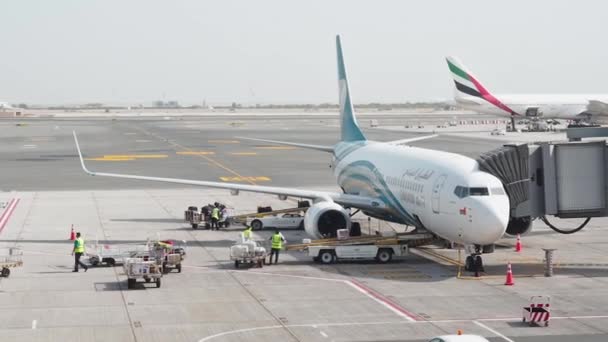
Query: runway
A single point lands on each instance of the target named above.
(412, 299)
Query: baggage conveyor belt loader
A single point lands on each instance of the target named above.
(380, 248)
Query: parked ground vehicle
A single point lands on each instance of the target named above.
(498, 132)
(380, 248)
(288, 220)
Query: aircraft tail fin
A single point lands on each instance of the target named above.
(467, 85)
(350, 130)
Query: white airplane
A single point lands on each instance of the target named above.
(6, 105)
(471, 94)
(441, 192)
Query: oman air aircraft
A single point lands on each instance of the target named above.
(471, 94)
(444, 193)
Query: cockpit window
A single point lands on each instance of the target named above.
(498, 191)
(479, 192)
(462, 192)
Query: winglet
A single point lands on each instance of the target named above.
(350, 130)
(80, 155)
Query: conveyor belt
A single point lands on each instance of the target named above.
(412, 240)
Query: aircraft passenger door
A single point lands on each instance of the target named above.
(435, 196)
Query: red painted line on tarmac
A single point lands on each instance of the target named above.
(384, 300)
(8, 212)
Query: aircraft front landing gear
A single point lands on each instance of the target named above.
(474, 262)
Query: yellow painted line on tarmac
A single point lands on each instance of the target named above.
(276, 148)
(245, 179)
(137, 156)
(440, 256)
(223, 141)
(211, 160)
(244, 153)
(195, 153)
(109, 159)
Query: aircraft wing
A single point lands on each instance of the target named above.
(354, 201)
(409, 140)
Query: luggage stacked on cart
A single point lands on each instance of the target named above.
(138, 268)
(248, 252)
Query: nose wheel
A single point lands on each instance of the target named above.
(474, 262)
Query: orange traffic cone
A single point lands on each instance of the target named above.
(72, 234)
(518, 244)
(510, 281)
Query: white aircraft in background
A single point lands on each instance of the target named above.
(471, 94)
(6, 105)
(441, 192)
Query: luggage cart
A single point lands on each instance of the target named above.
(195, 218)
(538, 311)
(249, 252)
(138, 268)
(13, 259)
(113, 254)
(175, 254)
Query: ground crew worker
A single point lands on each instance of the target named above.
(247, 234)
(77, 252)
(215, 216)
(277, 244)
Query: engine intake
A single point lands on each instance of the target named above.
(324, 219)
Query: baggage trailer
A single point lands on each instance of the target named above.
(175, 254)
(195, 218)
(380, 248)
(14, 259)
(113, 254)
(249, 252)
(138, 268)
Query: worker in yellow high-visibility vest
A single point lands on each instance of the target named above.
(215, 216)
(277, 240)
(247, 234)
(77, 252)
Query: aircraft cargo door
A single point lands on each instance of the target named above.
(436, 195)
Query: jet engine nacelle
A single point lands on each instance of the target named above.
(519, 225)
(324, 219)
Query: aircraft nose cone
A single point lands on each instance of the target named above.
(489, 221)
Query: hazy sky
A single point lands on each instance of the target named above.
(60, 51)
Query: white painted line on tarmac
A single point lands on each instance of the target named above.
(323, 334)
(29, 146)
(493, 331)
(34, 323)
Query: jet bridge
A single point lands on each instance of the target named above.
(561, 179)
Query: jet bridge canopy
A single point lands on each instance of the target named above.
(563, 179)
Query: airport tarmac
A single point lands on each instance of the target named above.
(412, 299)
